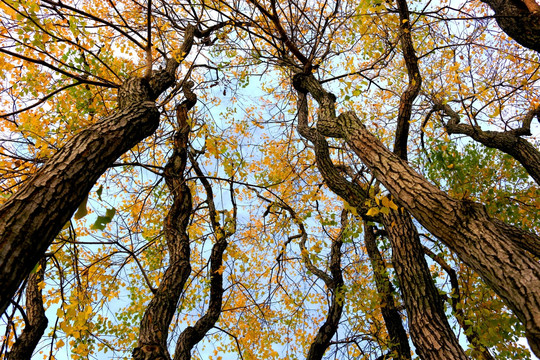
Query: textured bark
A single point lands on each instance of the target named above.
(154, 329)
(334, 282)
(480, 351)
(352, 193)
(32, 217)
(430, 332)
(194, 334)
(519, 19)
(480, 242)
(37, 321)
(415, 81)
(399, 342)
(463, 226)
(441, 344)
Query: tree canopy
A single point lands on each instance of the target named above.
(264, 180)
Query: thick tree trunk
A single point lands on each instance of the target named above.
(37, 321)
(479, 351)
(430, 332)
(399, 342)
(441, 342)
(463, 226)
(30, 219)
(520, 19)
(495, 250)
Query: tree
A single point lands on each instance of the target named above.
(409, 74)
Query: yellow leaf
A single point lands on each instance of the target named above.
(373, 212)
(389, 203)
(220, 270)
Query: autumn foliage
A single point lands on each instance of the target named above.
(269, 180)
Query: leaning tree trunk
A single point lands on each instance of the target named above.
(463, 226)
(31, 219)
(494, 249)
(520, 19)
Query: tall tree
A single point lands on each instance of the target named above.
(132, 187)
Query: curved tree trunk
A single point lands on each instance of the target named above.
(192, 335)
(335, 283)
(37, 321)
(495, 251)
(30, 219)
(159, 313)
(425, 316)
(519, 19)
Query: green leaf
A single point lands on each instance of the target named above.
(110, 213)
(102, 221)
(99, 192)
(82, 211)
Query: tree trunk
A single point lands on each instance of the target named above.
(430, 332)
(480, 242)
(31, 219)
(494, 249)
(37, 321)
(158, 315)
(399, 342)
(519, 21)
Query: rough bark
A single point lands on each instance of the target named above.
(354, 194)
(480, 242)
(463, 226)
(480, 351)
(519, 19)
(430, 332)
(348, 191)
(194, 334)
(334, 282)
(415, 81)
(154, 329)
(35, 314)
(423, 313)
(399, 342)
(30, 219)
